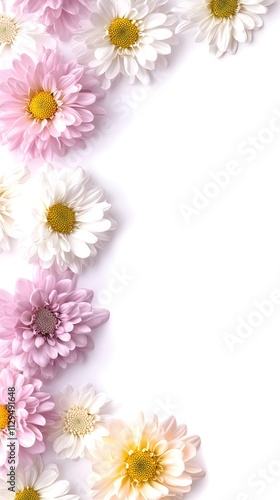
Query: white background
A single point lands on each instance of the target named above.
(188, 281)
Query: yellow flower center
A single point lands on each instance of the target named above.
(61, 218)
(27, 494)
(224, 8)
(42, 105)
(141, 466)
(78, 421)
(123, 33)
(4, 417)
(8, 30)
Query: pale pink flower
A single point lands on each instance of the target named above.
(61, 17)
(49, 324)
(150, 461)
(47, 105)
(31, 410)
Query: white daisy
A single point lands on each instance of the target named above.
(223, 24)
(10, 187)
(128, 37)
(36, 482)
(20, 34)
(81, 421)
(68, 220)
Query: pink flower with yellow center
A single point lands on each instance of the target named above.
(48, 105)
(31, 411)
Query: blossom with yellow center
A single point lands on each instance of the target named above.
(152, 460)
(128, 38)
(48, 104)
(223, 24)
(37, 482)
(31, 411)
(65, 221)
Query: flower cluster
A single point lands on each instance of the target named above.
(50, 103)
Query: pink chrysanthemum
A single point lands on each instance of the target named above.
(47, 106)
(6, 311)
(24, 402)
(49, 325)
(150, 461)
(62, 17)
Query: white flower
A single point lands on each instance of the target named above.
(10, 187)
(20, 33)
(128, 37)
(67, 223)
(36, 482)
(81, 421)
(223, 24)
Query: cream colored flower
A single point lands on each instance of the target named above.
(81, 421)
(148, 462)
